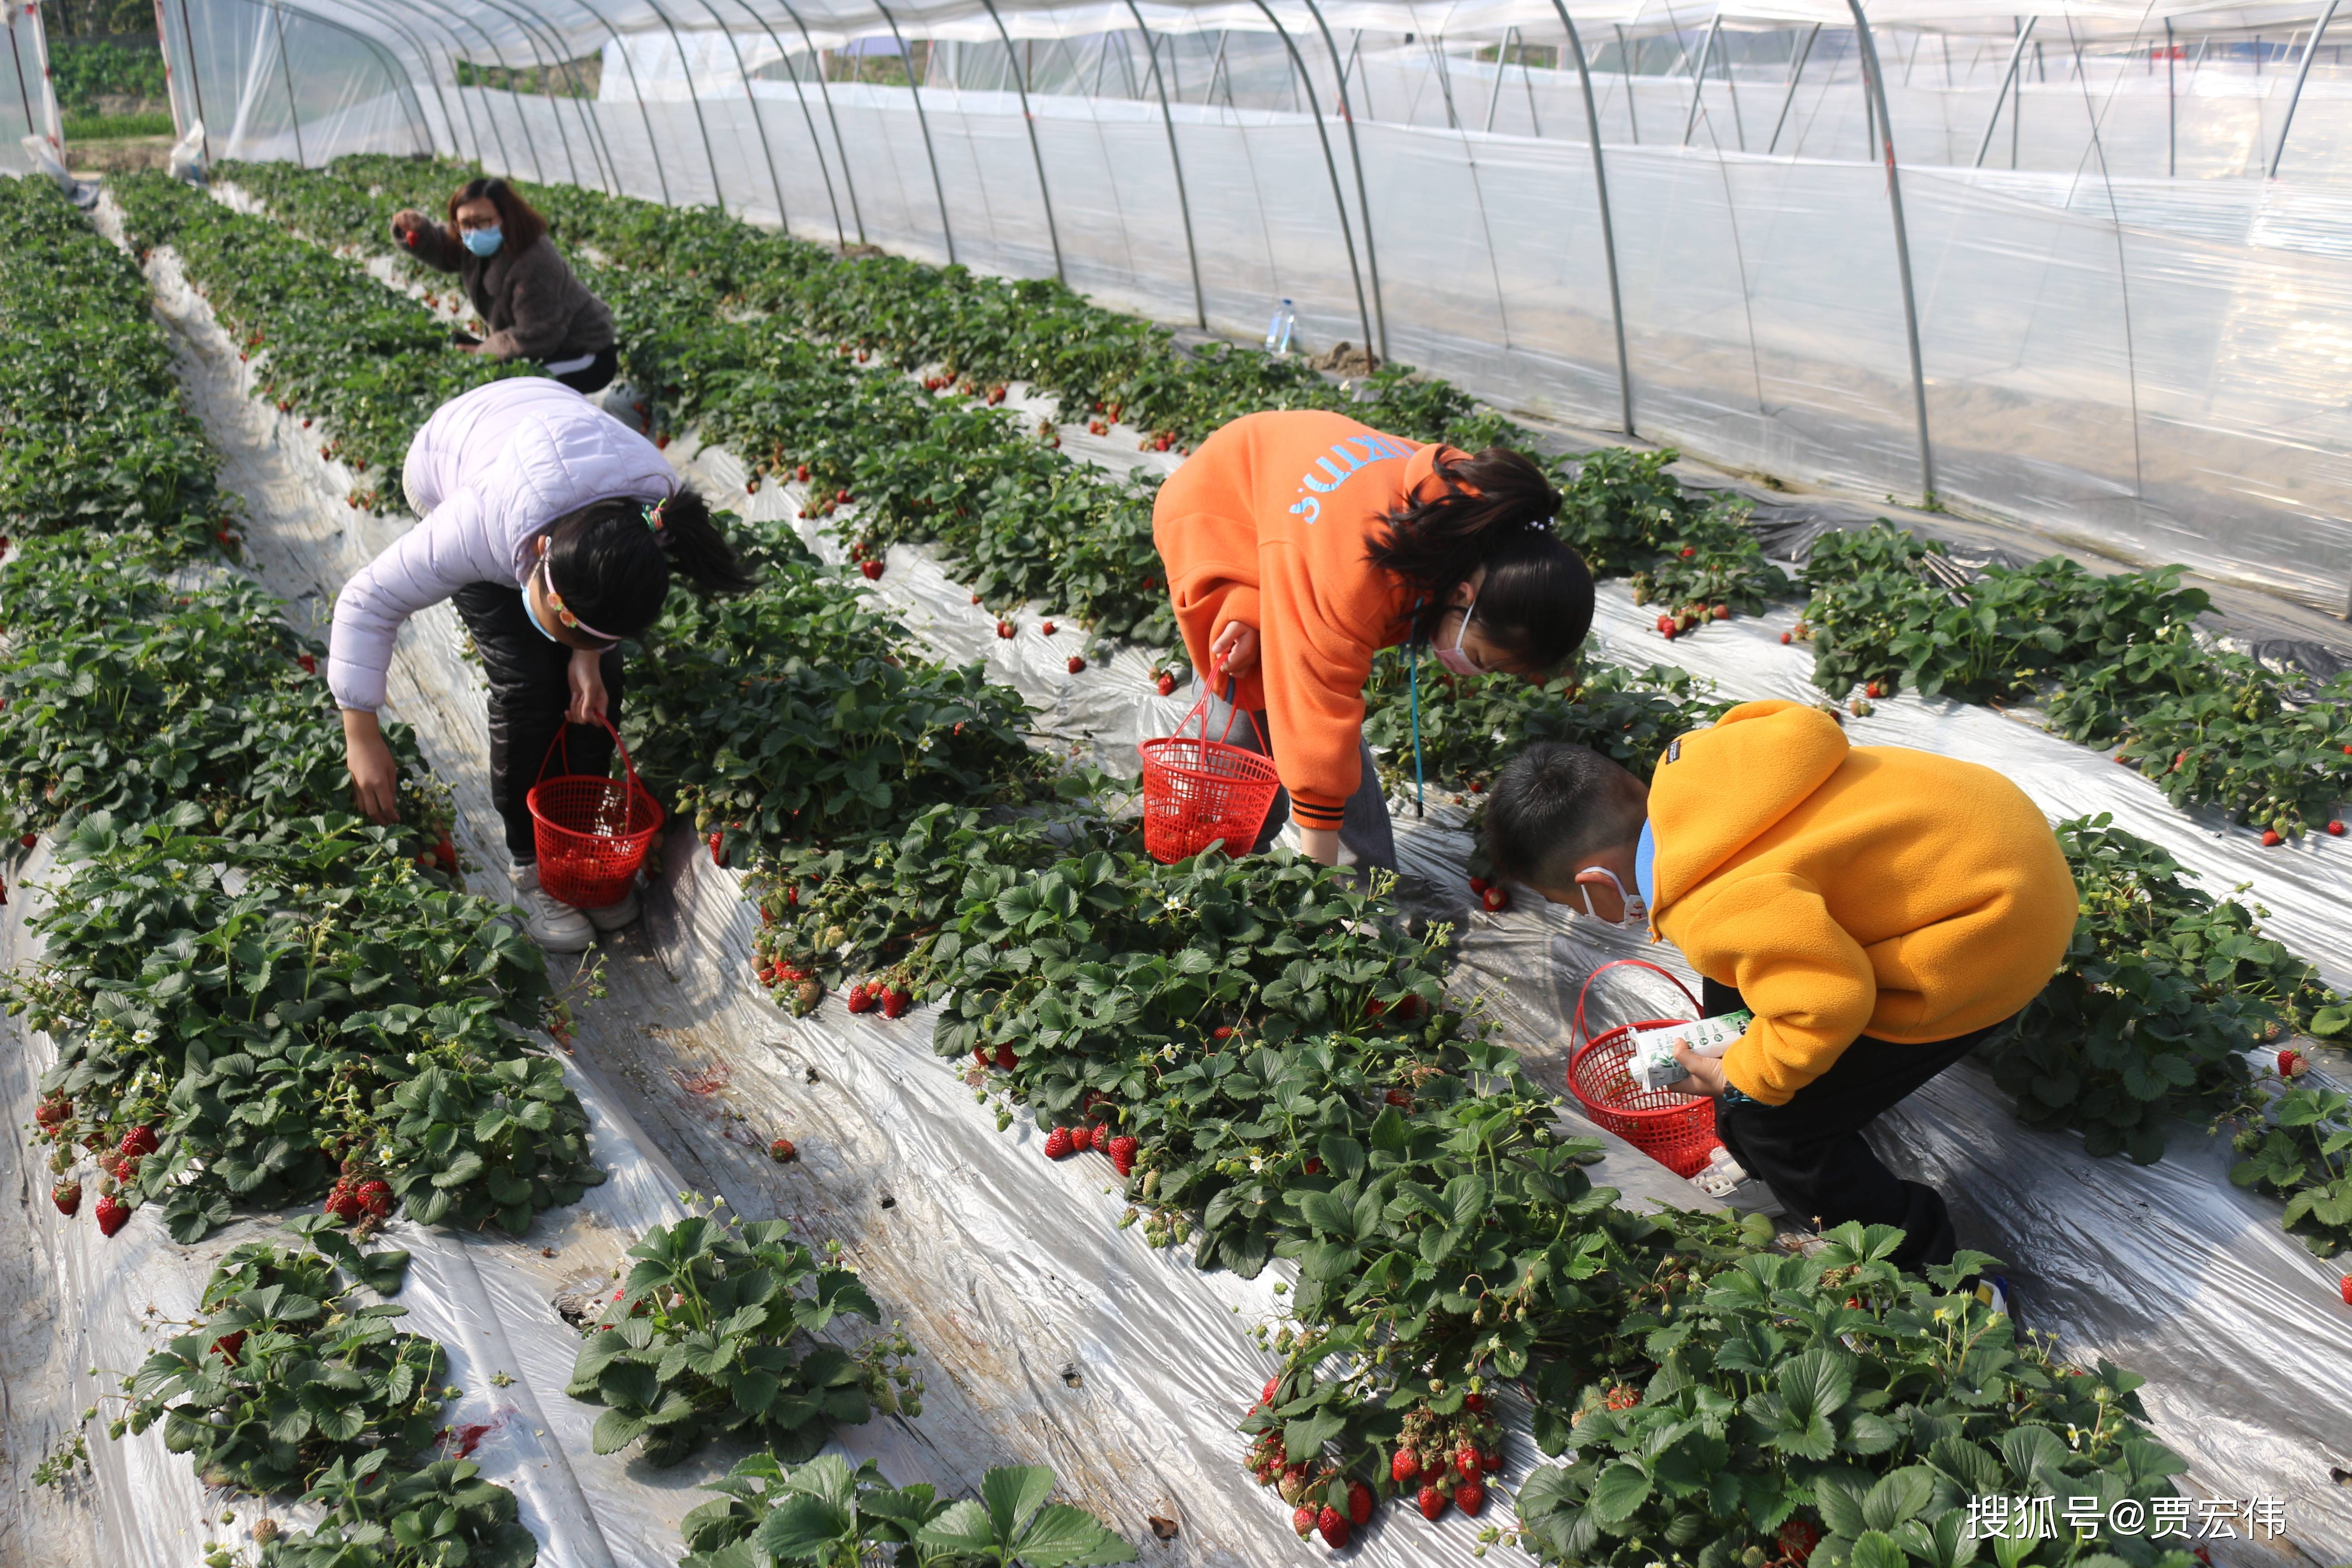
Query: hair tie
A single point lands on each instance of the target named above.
(655, 520)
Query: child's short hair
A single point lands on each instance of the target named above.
(1555, 804)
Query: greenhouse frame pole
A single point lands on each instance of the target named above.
(1330, 164)
(547, 75)
(393, 71)
(286, 72)
(17, 57)
(2302, 75)
(497, 135)
(431, 81)
(1789, 102)
(531, 41)
(923, 121)
(645, 117)
(1013, 59)
(1355, 156)
(775, 181)
(2172, 109)
(1176, 160)
(2007, 79)
(1876, 85)
(800, 94)
(1699, 73)
(1608, 228)
(195, 82)
(1624, 69)
(840, 148)
(717, 188)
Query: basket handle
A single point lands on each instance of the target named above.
(563, 738)
(1577, 1029)
(1233, 711)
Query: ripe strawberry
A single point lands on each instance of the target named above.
(717, 842)
(1722, 612)
(1431, 1502)
(1265, 1394)
(1082, 1138)
(980, 1056)
(376, 1198)
(138, 1140)
(1496, 900)
(1313, 1167)
(1623, 1397)
(801, 473)
(1006, 1058)
(1665, 625)
(1077, 664)
(1470, 1496)
(1004, 630)
(1166, 685)
(975, 598)
(229, 1345)
(1303, 1520)
(871, 570)
(862, 1000)
(2335, 830)
(2270, 839)
(1689, 552)
(1360, 1503)
(1786, 639)
(1222, 1032)
(113, 1214)
(67, 1196)
(344, 1203)
(310, 664)
(1059, 1144)
(126, 1169)
(1122, 1153)
(1332, 1525)
(1046, 628)
(895, 1002)
(1404, 1466)
(1401, 1099)
(1491, 1460)
(1479, 885)
(1875, 690)
(30, 839)
(782, 1152)
(1466, 1463)
(1798, 1539)
(1670, 630)
(445, 853)
(2291, 1064)
(2343, 1285)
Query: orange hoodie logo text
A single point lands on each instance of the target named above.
(1377, 448)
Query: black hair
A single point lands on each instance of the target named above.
(1535, 603)
(1555, 804)
(517, 220)
(611, 567)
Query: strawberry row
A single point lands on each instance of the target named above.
(148, 695)
(1262, 1050)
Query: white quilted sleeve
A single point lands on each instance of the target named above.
(459, 543)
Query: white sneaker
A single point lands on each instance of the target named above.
(553, 924)
(612, 917)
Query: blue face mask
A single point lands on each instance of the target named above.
(533, 613)
(484, 241)
(1455, 659)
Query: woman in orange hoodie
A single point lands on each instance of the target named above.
(1299, 544)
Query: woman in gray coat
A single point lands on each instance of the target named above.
(529, 302)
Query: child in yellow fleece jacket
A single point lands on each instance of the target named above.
(1879, 910)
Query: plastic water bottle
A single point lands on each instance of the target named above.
(1277, 330)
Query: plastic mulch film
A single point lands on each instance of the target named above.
(1051, 1335)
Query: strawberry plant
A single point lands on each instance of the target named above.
(824, 1513)
(2161, 994)
(287, 1371)
(1781, 1390)
(712, 1333)
(377, 1515)
(2304, 1154)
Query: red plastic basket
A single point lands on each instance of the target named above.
(591, 832)
(1677, 1130)
(1197, 791)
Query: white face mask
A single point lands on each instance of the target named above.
(1453, 658)
(1637, 911)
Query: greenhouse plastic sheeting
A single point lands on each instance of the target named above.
(2125, 336)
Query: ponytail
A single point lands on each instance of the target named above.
(1535, 601)
(610, 564)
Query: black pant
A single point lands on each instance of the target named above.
(528, 692)
(594, 376)
(1811, 1153)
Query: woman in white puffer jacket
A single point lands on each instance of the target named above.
(554, 529)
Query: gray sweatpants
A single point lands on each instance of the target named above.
(1365, 837)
